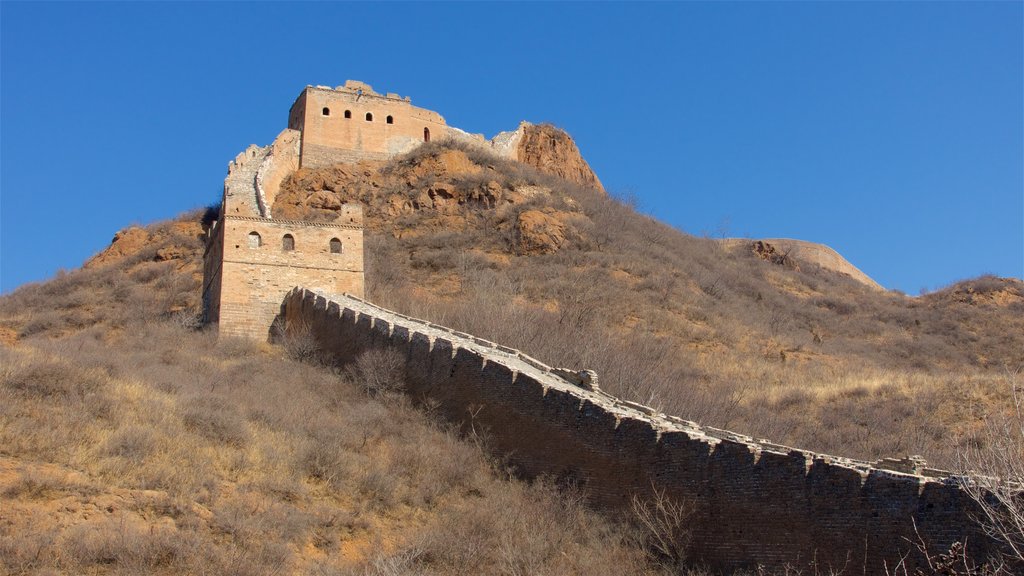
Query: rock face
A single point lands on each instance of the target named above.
(553, 151)
(180, 237)
(539, 233)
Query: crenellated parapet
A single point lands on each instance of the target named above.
(755, 502)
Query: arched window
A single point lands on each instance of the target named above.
(426, 134)
(369, 117)
(254, 240)
(288, 243)
(326, 111)
(335, 246)
(390, 120)
(348, 113)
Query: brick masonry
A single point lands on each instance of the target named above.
(252, 259)
(756, 503)
(353, 122)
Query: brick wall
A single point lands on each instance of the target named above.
(253, 280)
(328, 136)
(755, 503)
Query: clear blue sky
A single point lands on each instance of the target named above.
(890, 131)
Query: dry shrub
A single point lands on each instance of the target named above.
(379, 371)
(216, 419)
(995, 465)
(134, 443)
(127, 546)
(664, 528)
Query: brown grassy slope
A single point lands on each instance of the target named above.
(802, 356)
(132, 444)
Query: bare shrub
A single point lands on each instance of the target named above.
(298, 340)
(664, 527)
(126, 545)
(379, 371)
(134, 443)
(216, 419)
(996, 484)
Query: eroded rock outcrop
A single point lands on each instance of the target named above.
(176, 240)
(552, 151)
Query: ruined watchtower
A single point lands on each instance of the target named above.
(352, 122)
(253, 259)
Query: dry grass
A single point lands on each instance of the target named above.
(805, 357)
(132, 444)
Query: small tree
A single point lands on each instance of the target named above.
(379, 372)
(996, 483)
(664, 525)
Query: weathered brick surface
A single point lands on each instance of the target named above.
(245, 277)
(328, 137)
(247, 283)
(755, 503)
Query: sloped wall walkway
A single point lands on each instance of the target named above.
(755, 503)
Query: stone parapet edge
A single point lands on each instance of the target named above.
(622, 409)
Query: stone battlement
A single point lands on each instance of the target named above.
(755, 502)
(356, 88)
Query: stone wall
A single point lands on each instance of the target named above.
(247, 268)
(256, 270)
(755, 503)
(281, 160)
(352, 122)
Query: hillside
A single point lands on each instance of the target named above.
(780, 347)
(133, 441)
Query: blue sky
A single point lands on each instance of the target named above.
(892, 132)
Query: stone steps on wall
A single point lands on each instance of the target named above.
(240, 191)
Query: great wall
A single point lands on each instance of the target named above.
(754, 503)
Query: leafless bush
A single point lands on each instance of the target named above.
(996, 483)
(133, 443)
(215, 418)
(298, 340)
(664, 526)
(379, 371)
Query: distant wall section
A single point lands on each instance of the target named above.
(755, 502)
(352, 122)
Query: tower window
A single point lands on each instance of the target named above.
(335, 246)
(348, 113)
(326, 111)
(288, 243)
(254, 240)
(390, 120)
(369, 117)
(426, 134)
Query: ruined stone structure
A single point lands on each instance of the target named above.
(253, 259)
(352, 122)
(755, 503)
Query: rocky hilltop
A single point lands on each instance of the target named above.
(554, 152)
(792, 252)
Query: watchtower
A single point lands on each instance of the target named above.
(352, 122)
(252, 259)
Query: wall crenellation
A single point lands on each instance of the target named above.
(661, 421)
(759, 502)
